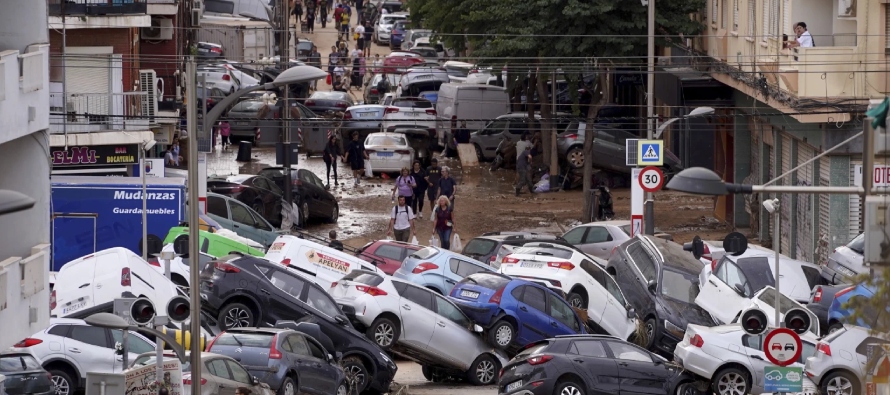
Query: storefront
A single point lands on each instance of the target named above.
(111, 154)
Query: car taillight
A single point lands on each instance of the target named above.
(817, 296)
(188, 380)
(216, 50)
(572, 136)
(501, 373)
(125, 277)
(496, 298)
(210, 345)
(713, 265)
(509, 259)
(334, 284)
(843, 291)
(273, 349)
(403, 151)
(561, 265)
(226, 77)
(431, 111)
(28, 342)
(374, 91)
(154, 262)
(697, 341)
(226, 268)
(373, 291)
(391, 110)
(492, 259)
(370, 151)
(614, 249)
(473, 71)
(236, 188)
(537, 360)
(309, 102)
(347, 115)
(52, 300)
(823, 348)
(341, 104)
(706, 253)
(285, 261)
(424, 267)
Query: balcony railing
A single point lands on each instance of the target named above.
(89, 112)
(97, 7)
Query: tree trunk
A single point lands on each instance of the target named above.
(598, 99)
(546, 120)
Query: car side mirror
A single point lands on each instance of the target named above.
(739, 289)
(631, 313)
(330, 357)
(254, 380)
(338, 355)
(477, 328)
(341, 320)
(652, 286)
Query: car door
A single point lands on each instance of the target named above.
(281, 294)
(262, 232)
(240, 376)
(453, 327)
(271, 196)
(718, 297)
(638, 370)
(590, 360)
(532, 313)
(490, 137)
(302, 359)
(616, 310)
(417, 315)
(575, 237)
(136, 344)
(327, 373)
(242, 220)
(90, 347)
(563, 320)
(217, 206)
(602, 309)
(322, 207)
(598, 242)
(223, 379)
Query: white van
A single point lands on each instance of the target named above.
(91, 284)
(475, 103)
(322, 264)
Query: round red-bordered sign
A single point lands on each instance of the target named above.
(782, 346)
(651, 179)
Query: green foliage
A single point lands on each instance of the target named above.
(872, 311)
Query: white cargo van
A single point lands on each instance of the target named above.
(322, 264)
(475, 103)
(90, 284)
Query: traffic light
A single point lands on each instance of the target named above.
(142, 311)
(754, 321)
(178, 309)
(798, 320)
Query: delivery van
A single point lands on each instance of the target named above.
(321, 264)
(473, 103)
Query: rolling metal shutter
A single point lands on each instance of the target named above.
(785, 199)
(855, 227)
(88, 74)
(824, 212)
(804, 215)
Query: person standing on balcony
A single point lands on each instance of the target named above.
(804, 38)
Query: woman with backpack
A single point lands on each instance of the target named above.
(405, 185)
(444, 225)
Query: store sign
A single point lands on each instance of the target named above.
(126, 154)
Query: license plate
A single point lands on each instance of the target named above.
(469, 294)
(532, 265)
(366, 114)
(73, 307)
(846, 271)
(385, 154)
(514, 385)
(242, 123)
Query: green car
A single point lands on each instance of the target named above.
(213, 244)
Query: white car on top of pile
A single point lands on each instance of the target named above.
(320, 264)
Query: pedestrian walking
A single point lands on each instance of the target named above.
(359, 36)
(523, 170)
(357, 65)
(310, 15)
(356, 156)
(331, 153)
(521, 144)
(433, 174)
(367, 39)
(404, 186)
(359, 7)
(419, 176)
(297, 11)
(447, 185)
(333, 59)
(401, 222)
(344, 24)
(225, 130)
(444, 225)
(334, 243)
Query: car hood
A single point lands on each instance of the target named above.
(687, 313)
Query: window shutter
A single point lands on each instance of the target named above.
(774, 18)
(724, 15)
(752, 15)
(735, 15)
(714, 11)
(786, 18)
(887, 26)
(765, 22)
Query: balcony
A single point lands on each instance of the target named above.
(92, 112)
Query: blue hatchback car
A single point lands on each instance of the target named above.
(438, 269)
(839, 314)
(398, 35)
(515, 312)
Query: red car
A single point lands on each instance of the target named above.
(392, 253)
(398, 62)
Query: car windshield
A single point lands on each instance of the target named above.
(679, 286)
(758, 272)
(425, 52)
(625, 229)
(329, 95)
(304, 46)
(248, 106)
(479, 247)
(18, 363)
(457, 71)
(386, 140)
(417, 35)
(413, 103)
(425, 253)
(241, 339)
(768, 296)
(150, 360)
(858, 244)
(491, 281)
(363, 278)
(554, 252)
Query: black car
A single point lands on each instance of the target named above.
(260, 193)
(591, 364)
(24, 375)
(244, 291)
(820, 301)
(289, 361)
(310, 194)
(660, 281)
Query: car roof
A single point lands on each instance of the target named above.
(69, 321)
(582, 336)
(615, 222)
(258, 330)
(366, 107)
(385, 134)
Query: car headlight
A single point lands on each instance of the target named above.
(674, 329)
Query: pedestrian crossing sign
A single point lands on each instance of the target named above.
(650, 153)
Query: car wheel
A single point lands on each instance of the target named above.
(235, 315)
(840, 383)
(731, 381)
(335, 214)
(342, 389)
(355, 370)
(575, 157)
(384, 332)
(479, 155)
(834, 328)
(651, 330)
(287, 387)
(483, 371)
(687, 389)
(62, 382)
(304, 214)
(427, 372)
(576, 300)
(568, 387)
(501, 334)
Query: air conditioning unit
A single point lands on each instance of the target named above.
(846, 8)
(148, 83)
(161, 29)
(197, 12)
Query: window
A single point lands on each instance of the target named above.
(421, 297)
(59, 330)
(519, 126)
(203, 259)
(752, 15)
(425, 253)
(562, 253)
(786, 18)
(730, 274)
(597, 234)
(217, 367)
(321, 301)
(814, 277)
(594, 271)
(753, 342)
(316, 351)
(90, 335)
(765, 21)
(239, 374)
(287, 283)
(365, 278)
(135, 344)
(774, 18)
(298, 344)
(217, 206)
(714, 11)
(241, 215)
(479, 246)
(679, 286)
(447, 310)
(862, 348)
(463, 268)
(389, 252)
(588, 348)
(643, 261)
(261, 183)
(495, 127)
(627, 352)
(735, 15)
(562, 312)
(612, 288)
(18, 363)
(241, 339)
(575, 235)
(534, 297)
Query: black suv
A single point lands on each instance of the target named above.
(243, 291)
(487, 247)
(660, 281)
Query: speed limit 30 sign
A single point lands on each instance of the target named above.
(651, 179)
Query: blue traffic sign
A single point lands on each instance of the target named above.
(779, 379)
(650, 153)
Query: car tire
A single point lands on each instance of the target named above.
(288, 387)
(335, 214)
(62, 382)
(576, 300)
(427, 372)
(575, 157)
(569, 387)
(235, 315)
(834, 328)
(840, 383)
(651, 331)
(354, 368)
(479, 155)
(731, 381)
(383, 332)
(304, 215)
(483, 371)
(686, 389)
(343, 389)
(502, 334)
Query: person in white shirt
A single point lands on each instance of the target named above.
(521, 144)
(401, 222)
(804, 38)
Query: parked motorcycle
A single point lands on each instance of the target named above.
(505, 155)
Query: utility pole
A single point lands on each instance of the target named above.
(554, 160)
(194, 221)
(284, 59)
(649, 205)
